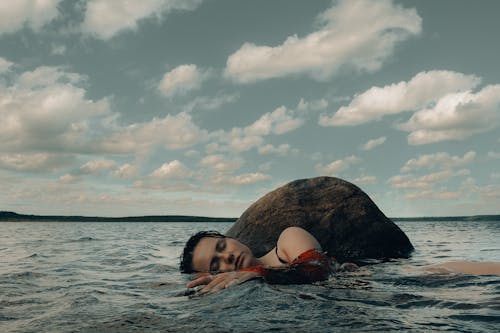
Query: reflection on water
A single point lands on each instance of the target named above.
(123, 277)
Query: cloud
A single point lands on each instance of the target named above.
(365, 180)
(440, 160)
(422, 90)
(105, 19)
(45, 110)
(373, 143)
(314, 105)
(97, 166)
(171, 170)
(279, 121)
(126, 171)
(69, 179)
(239, 139)
(281, 150)
(355, 34)
(210, 103)
(455, 117)
(337, 166)
(34, 14)
(172, 132)
(181, 79)
(58, 50)
(4, 65)
(443, 195)
(241, 180)
(39, 162)
(408, 182)
(221, 164)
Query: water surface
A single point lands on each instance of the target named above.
(123, 277)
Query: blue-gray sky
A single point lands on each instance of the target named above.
(200, 107)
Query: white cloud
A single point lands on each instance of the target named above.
(277, 122)
(241, 180)
(97, 166)
(172, 131)
(181, 79)
(443, 195)
(373, 143)
(365, 180)
(439, 160)
(422, 90)
(45, 110)
(126, 171)
(43, 162)
(407, 182)
(69, 179)
(34, 13)
(172, 170)
(357, 34)
(104, 19)
(455, 117)
(314, 105)
(221, 164)
(335, 167)
(210, 103)
(423, 187)
(4, 65)
(280, 121)
(281, 150)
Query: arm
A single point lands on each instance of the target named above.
(293, 241)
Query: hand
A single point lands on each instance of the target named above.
(217, 282)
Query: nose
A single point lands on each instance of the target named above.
(228, 259)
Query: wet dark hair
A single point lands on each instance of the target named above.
(186, 265)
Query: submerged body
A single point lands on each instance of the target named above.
(466, 267)
(221, 262)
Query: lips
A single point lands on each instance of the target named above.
(238, 262)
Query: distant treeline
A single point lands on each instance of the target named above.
(11, 216)
(449, 218)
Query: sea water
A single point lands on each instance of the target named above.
(123, 277)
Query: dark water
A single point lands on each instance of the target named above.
(123, 277)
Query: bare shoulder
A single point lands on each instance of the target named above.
(294, 241)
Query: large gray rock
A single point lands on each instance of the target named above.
(341, 216)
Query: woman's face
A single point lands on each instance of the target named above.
(217, 254)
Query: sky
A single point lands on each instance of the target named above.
(201, 107)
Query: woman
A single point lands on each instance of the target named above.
(224, 261)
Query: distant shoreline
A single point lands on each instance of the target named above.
(12, 216)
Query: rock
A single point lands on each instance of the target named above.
(345, 221)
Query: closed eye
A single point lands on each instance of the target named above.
(221, 245)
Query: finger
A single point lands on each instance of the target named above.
(214, 287)
(199, 275)
(220, 282)
(200, 281)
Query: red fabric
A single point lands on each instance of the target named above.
(310, 266)
(258, 269)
